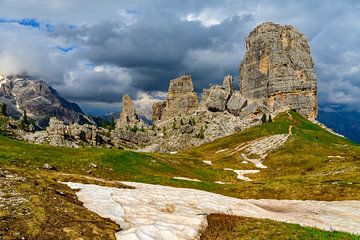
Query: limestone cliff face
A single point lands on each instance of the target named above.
(181, 99)
(278, 70)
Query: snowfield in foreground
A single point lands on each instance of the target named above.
(161, 212)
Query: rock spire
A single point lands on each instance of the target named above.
(128, 116)
(278, 70)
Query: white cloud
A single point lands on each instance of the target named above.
(144, 101)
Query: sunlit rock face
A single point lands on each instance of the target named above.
(278, 70)
(181, 99)
(128, 116)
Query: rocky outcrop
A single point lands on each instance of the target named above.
(74, 135)
(128, 117)
(39, 100)
(181, 99)
(278, 70)
(129, 139)
(222, 98)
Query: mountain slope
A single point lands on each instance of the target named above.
(40, 101)
(312, 164)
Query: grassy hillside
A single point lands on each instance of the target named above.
(230, 228)
(312, 164)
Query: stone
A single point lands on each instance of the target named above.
(158, 110)
(181, 98)
(128, 116)
(49, 167)
(278, 69)
(228, 84)
(253, 109)
(92, 165)
(204, 96)
(187, 129)
(217, 99)
(236, 103)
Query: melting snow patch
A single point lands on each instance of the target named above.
(241, 173)
(175, 152)
(220, 182)
(187, 179)
(222, 150)
(160, 212)
(207, 162)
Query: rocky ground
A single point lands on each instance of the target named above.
(36, 207)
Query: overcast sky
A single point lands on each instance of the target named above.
(92, 52)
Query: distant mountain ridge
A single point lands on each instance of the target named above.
(40, 101)
(344, 122)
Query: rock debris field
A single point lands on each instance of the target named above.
(161, 212)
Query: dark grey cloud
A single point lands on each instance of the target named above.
(135, 46)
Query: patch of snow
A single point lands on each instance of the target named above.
(336, 157)
(261, 147)
(241, 173)
(222, 150)
(175, 152)
(3, 81)
(244, 162)
(228, 169)
(161, 212)
(220, 182)
(187, 179)
(207, 162)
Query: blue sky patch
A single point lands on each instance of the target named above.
(30, 22)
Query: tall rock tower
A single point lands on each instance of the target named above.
(181, 99)
(128, 116)
(278, 70)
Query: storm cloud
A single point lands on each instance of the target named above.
(92, 52)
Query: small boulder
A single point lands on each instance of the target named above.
(49, 167)
(187, 129)
(236, 103)
(92, 165)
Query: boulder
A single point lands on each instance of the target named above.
(217, 99)
(236, 103)
(187, 129)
